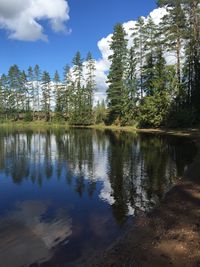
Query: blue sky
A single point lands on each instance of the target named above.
(90, 20)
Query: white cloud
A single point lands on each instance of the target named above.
(21, 18)
(157, 14)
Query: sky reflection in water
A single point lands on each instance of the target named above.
(64, 196)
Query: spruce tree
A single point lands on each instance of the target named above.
(130, 89)
(116, 83)
(58, 96)
(90, 86)
(77, 115)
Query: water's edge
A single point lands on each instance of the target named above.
(161, 237)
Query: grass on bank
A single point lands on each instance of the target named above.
(43, 125)
(33, 125)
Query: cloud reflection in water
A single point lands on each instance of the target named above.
(27, 238)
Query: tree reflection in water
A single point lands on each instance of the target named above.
(93, 180)
(135, 170)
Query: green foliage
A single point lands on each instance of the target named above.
(116, 89)
(80, 95)
(46, 94)
(58, 97)
(28, 116)
(154, 110)
(100, 113)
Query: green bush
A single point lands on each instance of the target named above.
(154, 110)
(28, 116)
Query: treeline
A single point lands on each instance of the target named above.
(143, 87)
(33, 95)
(153, 81)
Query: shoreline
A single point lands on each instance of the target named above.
(187, 132)
(169, 235)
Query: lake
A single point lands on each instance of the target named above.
(65, 196)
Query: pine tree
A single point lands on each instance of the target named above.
(155, 108)
(192, 67)
(16, 90)
(139, 41)
(68, 93)
(6, 95)
(31, 89)
(46, 94)
(90, 86)
(130, 90)
(58, 96)
(151, 45)
(77, 115)
(37, 78)
(173, 28)
(116, 89)
(159, 81)
(25, 98)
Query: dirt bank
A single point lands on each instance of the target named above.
(169, 236)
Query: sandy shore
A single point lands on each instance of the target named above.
(169, 236)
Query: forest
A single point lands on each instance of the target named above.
(145, 88)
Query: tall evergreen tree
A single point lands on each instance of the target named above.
(58, 96)
(31, 89)
(192, 11)
(130, 90)
(77, 115)
(15, 85)
(151, 46)
(37, 79)
(139, 41)
(90, 86)
(116, 88)
(46, 95)
(68, 93)
(173, 28)
(6, 95)
(155, 108)
(25, 98)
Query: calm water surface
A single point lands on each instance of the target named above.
(65, 196)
